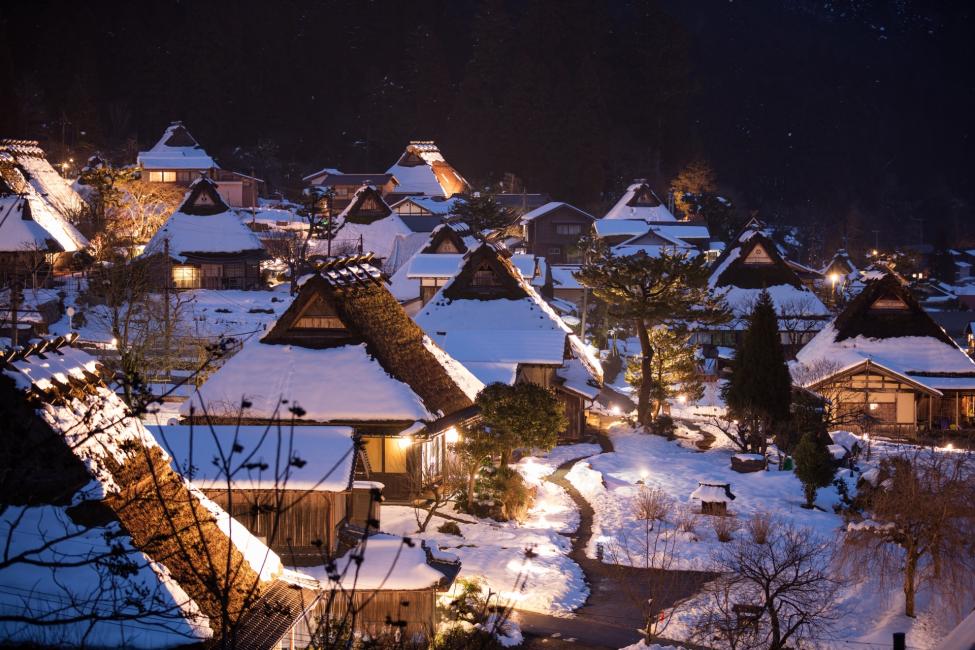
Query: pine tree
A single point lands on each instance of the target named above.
(649, 292)
(523, 415)
(814, 465)
(483, 213)
(674, 367)
(759, 391)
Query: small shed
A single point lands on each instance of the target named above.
(714, 497)
(747, 463)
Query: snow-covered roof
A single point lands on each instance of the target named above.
(435, 265)
(18, 234)
(100, 435)
(422, 169)
(378, 237)
(329, 454)
(53, 188)
(203, 224)
(563, 277)
(388, 563)
(640, 202)
(962, 637)
(713, 493)
(332, 385)
(548, 207)
(616, 227)
(432, 204)
(176, 149)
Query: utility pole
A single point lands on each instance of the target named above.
(14, 304)
(585, 299)
(166, 289)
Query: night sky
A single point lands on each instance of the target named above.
(841, 117)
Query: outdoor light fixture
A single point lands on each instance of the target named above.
(405, 442)
(682, 398)
(452, 435)
(874, 406)
(614, 409)
(834, 278)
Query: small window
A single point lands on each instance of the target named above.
(395, 451)
(758, 256)
(319, 323)
(186, 277)
(374, 452)
(184, 176)
(568, 229)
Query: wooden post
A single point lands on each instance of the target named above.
(900, 641)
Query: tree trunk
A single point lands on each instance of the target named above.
(505, 457)
(644, 414)
(910, 569)
(471, 478)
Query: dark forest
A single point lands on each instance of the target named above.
(852, 119)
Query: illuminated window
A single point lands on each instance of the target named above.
(758, 255)
(162, 177)
(186, 277)
(374, 453)
(395, 455)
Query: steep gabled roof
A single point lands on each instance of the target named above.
(41, 210)
(553, 205)
(75, 458)
(203, 224)
(639, 201)
(841, 264)
(18, 230)
(486, 274)
(422, 169)
(886, 308)
(752, 262)
(450, 237)
(176, 149)
(367, 205)
(346, 352)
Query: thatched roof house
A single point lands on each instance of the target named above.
(886, 364)
(493, 321)
(119, 549)
(639, 201)
(367, 225)
(31, 162)
(751, 264)
(208, 244)
(347, 354)
(422, 169)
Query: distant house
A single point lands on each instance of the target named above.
(751, 264)
(367, 225)
(422, 169)
(521, 203)
(553, 231)
(345, 186)
(347, 354)
(887, 366)
(493, 321)
(120, 551)
(840, 267)
(205, 245)
(639, 201)
(178, 158)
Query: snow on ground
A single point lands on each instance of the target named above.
(871, 612)
(494, 552)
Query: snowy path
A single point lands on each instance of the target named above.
(612, 612)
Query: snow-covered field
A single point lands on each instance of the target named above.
(495, 552)
(870, 612)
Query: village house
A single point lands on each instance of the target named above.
(493, 321)
(751, 264)
(178, 158)
(886, 366)
(553, 231)
(83, 479)
(640, 202)
(347, 355)
(205, 245)
(32, 165)
(345, 186)
(422, 169)
(366, 225)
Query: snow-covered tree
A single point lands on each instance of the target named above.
(648, 292)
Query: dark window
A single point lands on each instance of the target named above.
(568, 229)
(485, 277)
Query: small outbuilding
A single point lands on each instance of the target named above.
(714, 497)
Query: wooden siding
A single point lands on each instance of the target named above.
(416, 608)
(545, 240)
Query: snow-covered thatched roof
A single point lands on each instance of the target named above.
(32, 163)
(176, 149)
(484, 321)
(90, 482)
(344, 351)
(203, 224)
(422, 169)
(639, 201)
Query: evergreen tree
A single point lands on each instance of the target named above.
(523, 415)
(759, 392)
(674, 367)
(814, 465)
(941, 262)
(483, 213)
(649, 292)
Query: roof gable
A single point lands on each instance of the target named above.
(486, 275)
(367, 206)
(643, 197)
(449, 238)
(555, 208)
(179, 136)
(886, 309)
(203, 199)
(754, 263)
